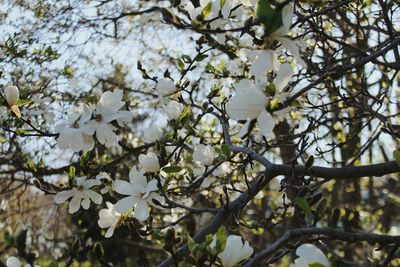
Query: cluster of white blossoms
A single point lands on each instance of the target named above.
(140, 195)
(85, 121)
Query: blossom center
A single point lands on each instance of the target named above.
(98, 117)
(80, 188)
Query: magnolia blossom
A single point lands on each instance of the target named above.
(165, 87)
(250, 102)
(81, 195)
(14, 262)
(76, 134)
(153, 133)
(173, 110)
(149, 162)
(140, 194)
(109, 218)
(11, 94)
(308, 254)
(108, 110)
(235, 251)
(204, 154)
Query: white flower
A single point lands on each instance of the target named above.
(173, 110)
(165, 87)
(149, 162)
(140, 194)
(308, 254)
(108, 110)
(76, 134)
(11, 94)
(81, 195)
(235, 251)
(109, 218)
(204, 154)
(249, 103)
(153, 133)
(14, 262)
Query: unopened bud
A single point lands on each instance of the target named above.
(11, 94)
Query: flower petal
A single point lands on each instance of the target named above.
(266, 123)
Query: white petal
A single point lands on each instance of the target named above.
(13, 262)
(291, 46)
(123, 205)
(283, 77)
(266, 123)
(85, 203)
(165, 87)
(123, 187)
(309, 253)
(110, 231)
(94, 196)
(74, 204)
(142, 211)
(246, 103)
(63, 196)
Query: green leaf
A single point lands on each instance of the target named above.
(191, 243)
(72, 171)
(21, 103)
(184, 113)
(396, 156)
(221, 239)
(200, 57)
(226, 150)
(206, 11)
(172, 169)
(303, 204)
(268, 16)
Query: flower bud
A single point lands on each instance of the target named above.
(149, 162)
(11, 93)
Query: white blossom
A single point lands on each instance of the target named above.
(165, 87)
(250, 102)
(140, 194)
(308, 253)
(81, 194)
(235, 251)
(76, 134)
(108, 110)
(204, 154)
(149, 162)
(173, 110)
(109, 218)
